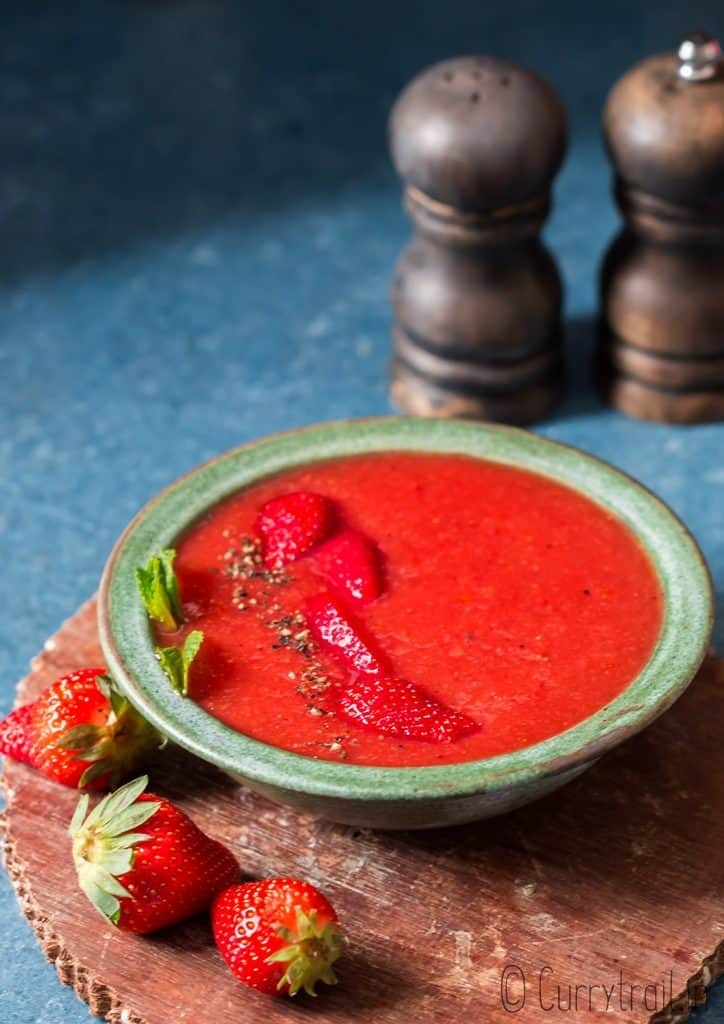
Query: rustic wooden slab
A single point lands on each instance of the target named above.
(617, 880)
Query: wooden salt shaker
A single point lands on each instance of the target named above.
(476, 297)
(662, 338)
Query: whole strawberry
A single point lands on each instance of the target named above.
(80, 732)
(278, 936)
(143, 863)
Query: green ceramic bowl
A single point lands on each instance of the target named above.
(407, 797)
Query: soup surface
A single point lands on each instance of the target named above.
(506, 596)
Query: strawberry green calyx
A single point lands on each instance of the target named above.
(310, 950)
(176, 661)
(115, 747)
(104, 844)
(159, 589)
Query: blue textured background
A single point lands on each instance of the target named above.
(197, 227)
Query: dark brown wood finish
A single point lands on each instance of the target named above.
(476, 298)
(618, 876)
(662, 283)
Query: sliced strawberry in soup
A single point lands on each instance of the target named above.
(351, 564)
(341, 635)
(397, 707)
(292, 524)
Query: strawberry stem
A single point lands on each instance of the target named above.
(310, 950)
(104, 843)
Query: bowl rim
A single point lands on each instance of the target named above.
(127, 642)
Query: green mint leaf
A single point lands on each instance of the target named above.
(170, 582)
(176, 662)
(144, 579)
(191, 647)
(171, 661)
(159, 590)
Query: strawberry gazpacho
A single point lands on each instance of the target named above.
(400, 609)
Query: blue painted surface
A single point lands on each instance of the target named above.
(197, 227)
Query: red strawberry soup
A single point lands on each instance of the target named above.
(510, 604)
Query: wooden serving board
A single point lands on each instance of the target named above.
(616, 880)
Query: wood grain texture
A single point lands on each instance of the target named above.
(621, 871)
(642, 401)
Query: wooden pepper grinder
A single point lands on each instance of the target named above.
(476, 297)
(662, 337)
